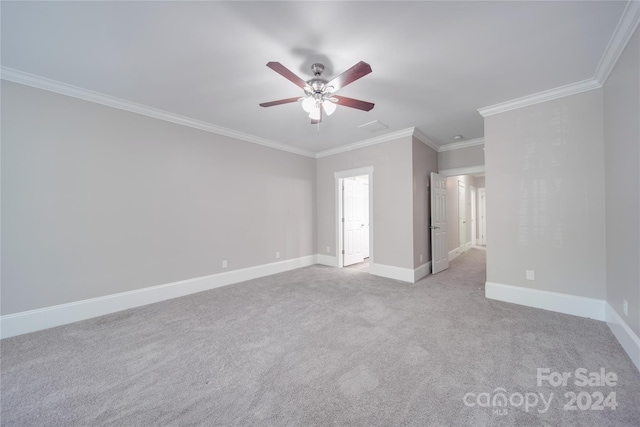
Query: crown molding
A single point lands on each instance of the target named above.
(461, 144)
(367, 142)
(537, 98)
(623, 32)
(470, 170)
(27, 79)
(424, 139)
(627, 24)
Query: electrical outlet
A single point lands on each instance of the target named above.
(625, 307)
(277, 255)
(530, 274)
(420, 257)
(224, 264)
(328, 249)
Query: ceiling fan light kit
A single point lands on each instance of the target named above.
(319, 95)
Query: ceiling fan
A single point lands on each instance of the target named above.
(319, 93)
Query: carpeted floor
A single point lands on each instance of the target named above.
(361, 266)
(323, 347)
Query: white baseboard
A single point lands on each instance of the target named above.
(388, 271)
(391, 272)
(546, 300)
(49, 317)
(625, 336)
(421, 271)
(453, 253)
(329, 260)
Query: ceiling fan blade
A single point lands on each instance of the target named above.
(287, 74)
(359, 70)
(280, 102)
(353, 103)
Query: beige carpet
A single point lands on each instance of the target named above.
(321, 347)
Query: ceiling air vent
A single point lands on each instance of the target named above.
(373, 126)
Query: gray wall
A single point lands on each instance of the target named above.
(545, 204)
(97, 201)
(480, 182)
(425, 161)
(622, 180)
(461, 158)
(392, 199)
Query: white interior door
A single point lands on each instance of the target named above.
(354, 222)
(483, 212)
(365, 216)
(462, 217)
(439, 252)
(474, 226)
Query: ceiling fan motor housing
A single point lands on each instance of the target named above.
(317, 84)
(317, 69)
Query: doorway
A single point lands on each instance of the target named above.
(462, 217)
(482, 212)
(474, 226)
(355, 214)
(354, 225)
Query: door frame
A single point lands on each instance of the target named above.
(474, 222)
(339, 178)
(482, 195)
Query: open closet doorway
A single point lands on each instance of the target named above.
(354, 218)
(355, 214)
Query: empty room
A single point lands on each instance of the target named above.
(320, 213)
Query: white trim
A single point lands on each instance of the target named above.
(421, 271)
(49, 317)
(328, 260)
(391, 272)
(453, 253)
(424, 139)
(546, 300)
(537, 98)
(625, 336)
(366, 143)
(461, 145)
(469, 170)
(623, 32)
(367, 170)
(32, 80)
(27, 79)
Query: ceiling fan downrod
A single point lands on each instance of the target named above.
(317, 84)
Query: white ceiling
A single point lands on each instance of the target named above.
(434, 63)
